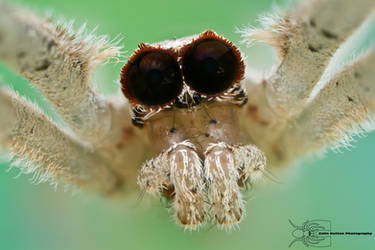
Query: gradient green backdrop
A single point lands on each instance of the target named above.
(339, 187)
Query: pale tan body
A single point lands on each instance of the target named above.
(205, 163)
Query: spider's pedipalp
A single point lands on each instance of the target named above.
(59, 64)
(227, 205)
(177, 174)
(187, 178)
(306, 39)
(46, 151)
(345, 106)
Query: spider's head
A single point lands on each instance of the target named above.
(185, 84)
(186, 93)
(182, 73)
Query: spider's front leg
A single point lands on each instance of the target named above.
(59, 63)
(305, 38)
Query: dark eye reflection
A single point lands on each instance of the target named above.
(210, 66)
(153, 78)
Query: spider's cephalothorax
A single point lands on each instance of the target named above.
(186, 93)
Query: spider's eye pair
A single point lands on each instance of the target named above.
(153, 76)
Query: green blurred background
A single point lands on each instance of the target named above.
(338, 188)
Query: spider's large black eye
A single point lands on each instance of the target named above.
(210, 66)
(152, 78)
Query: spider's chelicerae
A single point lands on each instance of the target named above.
(200, 127)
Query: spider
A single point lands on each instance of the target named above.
(195, 126)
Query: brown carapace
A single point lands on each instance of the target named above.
(186, 94)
